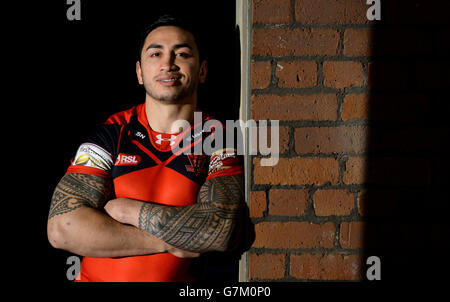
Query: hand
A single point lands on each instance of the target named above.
(124, 210)
(181, 253)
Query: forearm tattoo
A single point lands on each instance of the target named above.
(76, 190)
(204, 226)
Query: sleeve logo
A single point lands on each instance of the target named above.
(91, 155)
(219, 159)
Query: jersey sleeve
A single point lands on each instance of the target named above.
(96, 154)
(226, 160)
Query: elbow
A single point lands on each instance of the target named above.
(230, 244)
(231, 240)
(242, 235)
(56, 234)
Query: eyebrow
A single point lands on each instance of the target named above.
(176, 46)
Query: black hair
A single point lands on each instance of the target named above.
(178, 21)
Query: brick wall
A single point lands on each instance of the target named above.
(362, 137)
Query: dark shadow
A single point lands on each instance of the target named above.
(406, 201)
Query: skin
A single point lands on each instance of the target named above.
(84, 221)
(209, 225)
(170, 51)
(78, 223)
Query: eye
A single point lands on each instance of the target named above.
(155, 54)
(183, 55)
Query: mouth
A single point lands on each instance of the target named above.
(169, 80)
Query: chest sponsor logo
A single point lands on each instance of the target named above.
(127, 160)
(197, 163)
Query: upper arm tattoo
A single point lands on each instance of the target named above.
(76, 190)
(205, 226)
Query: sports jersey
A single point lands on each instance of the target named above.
(143, 166)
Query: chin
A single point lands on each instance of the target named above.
(175, 97)
(170, 99)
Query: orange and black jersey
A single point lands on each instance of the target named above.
(151, 167)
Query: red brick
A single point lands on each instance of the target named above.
(362, 203)
(351, 235)
(358, 42)
(327, 267)
(295, 42)
(291, 235)
(319, 107)
(266, 266)
(297, 171)
(283, 138)
(297, 74)
(288, 202)
(271, 11)
(257, 203)
(355, 106)
(355, 170)
(345, 139)
(341, 74)
(333, 202)
(261, 73)
(331, 12)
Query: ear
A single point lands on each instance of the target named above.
(203, 71)
(139, 73)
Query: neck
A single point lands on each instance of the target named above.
(161, 116)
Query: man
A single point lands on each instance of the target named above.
(136, 209)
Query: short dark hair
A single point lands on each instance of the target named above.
(178, 21)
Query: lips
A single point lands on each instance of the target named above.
(169, 80)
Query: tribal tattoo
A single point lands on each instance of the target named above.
(209, 225)
(76, 190)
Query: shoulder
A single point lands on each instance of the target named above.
(124, 117)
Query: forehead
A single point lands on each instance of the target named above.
(170, 35)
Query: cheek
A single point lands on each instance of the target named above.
(192, 72)
(148, 70)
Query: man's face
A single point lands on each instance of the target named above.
(170, 68)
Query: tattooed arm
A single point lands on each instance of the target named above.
(212, 224)
(77, 222)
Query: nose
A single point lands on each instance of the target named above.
(168, 63)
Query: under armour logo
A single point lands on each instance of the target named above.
(161, 139)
